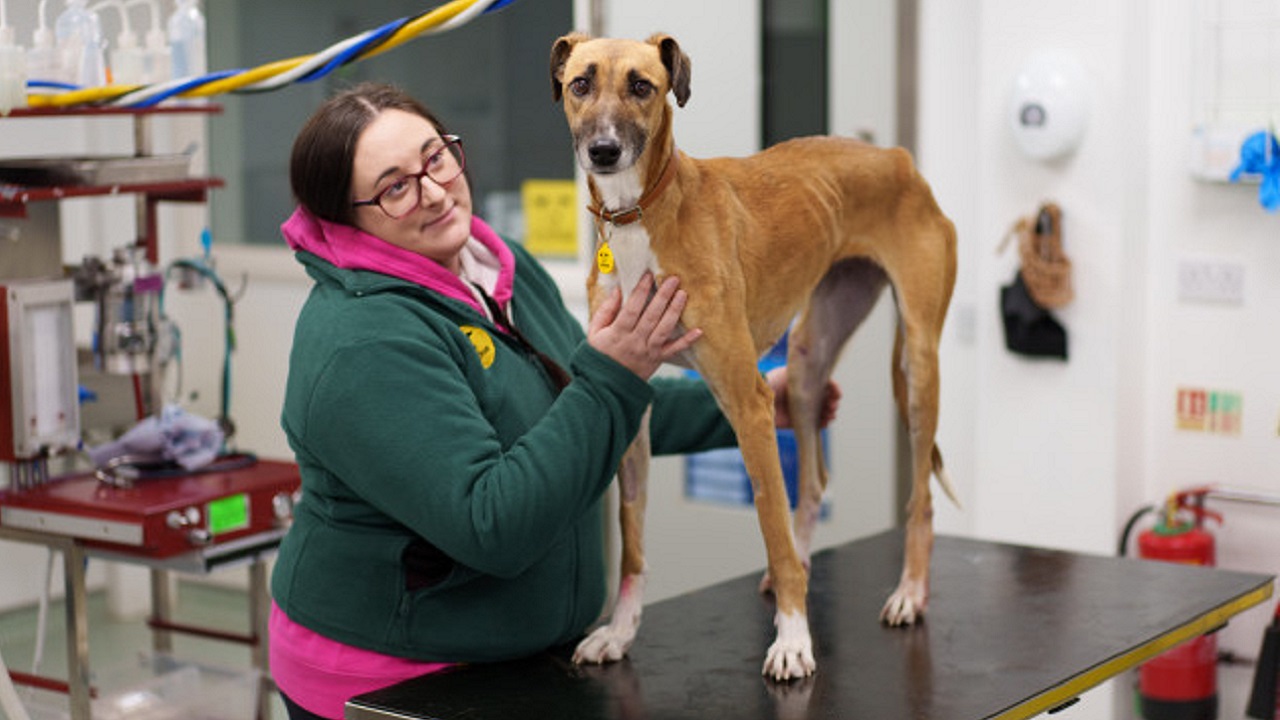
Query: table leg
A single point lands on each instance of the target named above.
(161, 610)
(77, 631)
(259, 607)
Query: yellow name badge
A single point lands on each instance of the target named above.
(482, 342)
(604, 258)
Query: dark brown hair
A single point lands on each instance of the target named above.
(321, 163)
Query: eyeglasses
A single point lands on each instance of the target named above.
(442, 166)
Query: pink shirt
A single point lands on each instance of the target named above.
(322, 674)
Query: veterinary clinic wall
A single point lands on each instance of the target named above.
(1060, 454)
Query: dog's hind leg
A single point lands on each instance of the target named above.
(922, 288)
(915, 388)
(840, 303)
(610, 642)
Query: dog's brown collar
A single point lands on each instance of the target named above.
(632, 214)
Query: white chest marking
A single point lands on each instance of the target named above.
(629, 244)
(632, 257)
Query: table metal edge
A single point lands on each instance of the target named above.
(1078, 685)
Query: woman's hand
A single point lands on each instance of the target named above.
(777, 380)
(638, 333)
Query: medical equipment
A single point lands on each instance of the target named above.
(37, 377)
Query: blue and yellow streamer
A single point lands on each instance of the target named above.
(273, 75)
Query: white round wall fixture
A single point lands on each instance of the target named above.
(1049, 107)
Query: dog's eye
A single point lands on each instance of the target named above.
(580, 87)
(641, 88)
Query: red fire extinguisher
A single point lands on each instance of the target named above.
(1182, 683)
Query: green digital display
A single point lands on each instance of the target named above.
(228, 514)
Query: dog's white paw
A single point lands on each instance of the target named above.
(607, 643)
(791, 655)
(905, 605)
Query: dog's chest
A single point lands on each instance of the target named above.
(627, 250)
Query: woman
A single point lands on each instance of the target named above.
(453, 427)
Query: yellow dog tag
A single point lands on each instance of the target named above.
(604, 258)
(482, 342)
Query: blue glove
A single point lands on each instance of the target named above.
(1260, 155)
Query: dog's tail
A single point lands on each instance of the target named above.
(944, 479)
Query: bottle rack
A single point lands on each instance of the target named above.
(14, 198)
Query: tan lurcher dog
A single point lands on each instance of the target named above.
(816, 227)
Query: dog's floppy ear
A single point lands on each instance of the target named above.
(679, 68)
(560, 52)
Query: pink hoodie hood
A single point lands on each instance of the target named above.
(353, 249)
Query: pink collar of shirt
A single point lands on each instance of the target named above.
(353, 249)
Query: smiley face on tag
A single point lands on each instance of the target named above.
(482, 342)
(604, 258)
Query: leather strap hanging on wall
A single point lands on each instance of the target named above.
(1046, 269)
(1042, 283)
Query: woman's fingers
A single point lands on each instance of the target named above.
(607, 312)
(680, 344)
(638, 331)
(634, 307)
(832, 403)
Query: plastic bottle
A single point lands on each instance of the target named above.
(81, 50)
(42, 58)
(158, 62)
(13, 67)
(187, 39)
(127, 57)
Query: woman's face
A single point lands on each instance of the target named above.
(392, 146)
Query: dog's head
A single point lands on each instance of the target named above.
(614, 94)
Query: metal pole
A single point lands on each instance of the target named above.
(259, 605)
(77, 631)
(1251, 497)
(161, 610)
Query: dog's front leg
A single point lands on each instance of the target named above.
(791, 655)
(610, 642)
(747, 402)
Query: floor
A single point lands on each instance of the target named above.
(120, 657)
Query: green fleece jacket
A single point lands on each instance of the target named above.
(451, 506)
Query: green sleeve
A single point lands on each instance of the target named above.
(686, 418)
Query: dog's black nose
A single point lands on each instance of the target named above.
(604, 153)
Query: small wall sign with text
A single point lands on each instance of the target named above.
(1210, 411)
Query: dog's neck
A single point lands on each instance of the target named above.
(617, 199)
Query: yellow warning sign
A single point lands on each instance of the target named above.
(550, 217)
